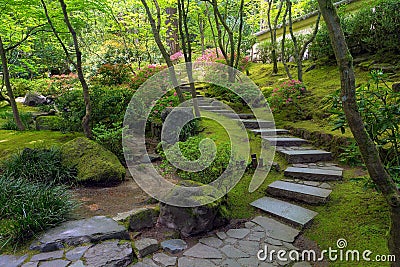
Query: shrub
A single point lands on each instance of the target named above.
(38, 165)
(113, 74)
(373, 29)
(27, 208)
(142, 75)
(22, 86)
(379, 106)
(264, 50)
(190, 150)
(288, 94)
(9, 123)
(59, 84)
(110, 138)
(108, 106)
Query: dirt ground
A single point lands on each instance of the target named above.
(109, 201)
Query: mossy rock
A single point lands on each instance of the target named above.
(94, 163)
(52, 123)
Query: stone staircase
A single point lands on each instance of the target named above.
(307, 177)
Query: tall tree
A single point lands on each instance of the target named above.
(6, 77)
(300, 51)
(272, 31)
(187, 49)
(77, 65)
(368, 149)
(156, 27)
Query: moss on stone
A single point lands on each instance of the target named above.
(95, 164)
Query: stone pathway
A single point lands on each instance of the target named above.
(101, 241)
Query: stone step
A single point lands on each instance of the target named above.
(286, 141)
(241, 116)
(304, 193)
(306, 156)
(314, 174)
(222, 111)
(210, 107)
(269, 132)
(256, 124)
(286, 211)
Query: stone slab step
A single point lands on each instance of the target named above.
(284, 210)
(286, 141)
(245, 116)
(269, 132)
(216, 107)
(256, 124)
(304, 193)
(222, 111)
(314, 174)
(306, 156)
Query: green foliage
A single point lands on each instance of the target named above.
(22, 86)
(108, 106)
(9, 122)
(27, 208)
(351, 155)
(113, 74)
(373, 29)
(60, 84)
(110, 138)
(52, 123)
(287, 94)
(142, 75)
(380, 110)
(38, 165)
(190, 150)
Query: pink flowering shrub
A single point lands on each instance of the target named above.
(210, 55)
(143, 74)
(289, 93)
(175, 57)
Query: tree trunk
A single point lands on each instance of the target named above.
(6, 77)
(272, 31)
(86, 97)
(187, 51)
(155, 28)
(172, 30)
(283, 45)
(367, 147)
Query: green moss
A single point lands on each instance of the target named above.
(12, 141)
(355, 213)
(52, 123)
(94, 163)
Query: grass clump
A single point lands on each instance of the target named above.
(38, 165)
(27, 208)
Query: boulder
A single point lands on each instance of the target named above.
(143, 218)
(74, 233)
(34, 99)
(191, 221)
(94, 163)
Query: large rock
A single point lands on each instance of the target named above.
(34, 99)
(146, 246)
(143, 218)
(74, 233)
(110, 253)
(190, 221)
(95, 164)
